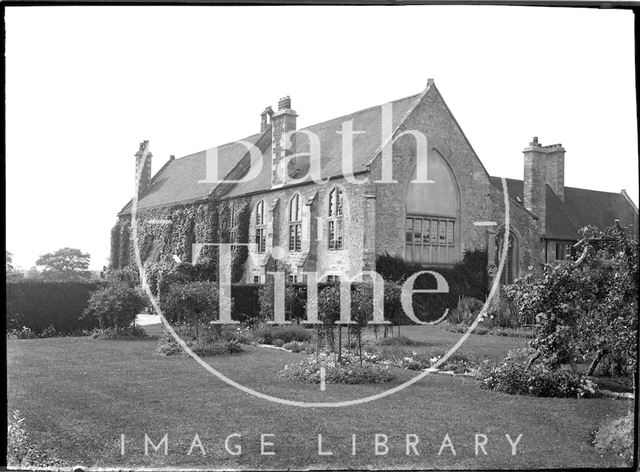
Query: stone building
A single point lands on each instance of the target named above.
(338, 227)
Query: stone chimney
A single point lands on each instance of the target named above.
(543, 165)
(265, 118)
(143, 169)
(282, 122)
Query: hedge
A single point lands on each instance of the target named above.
(38, 305)
(467, 278)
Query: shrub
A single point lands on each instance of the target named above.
(129, 332)
(294, 346)
(168, 346)
(24, 333)
(616, 436)
(510, 376)
(295, 297)
(114, 306)
(266, 334)
(278, 342)
(38, 305)
(397, 341)
(194, 303)
(466, 311)
(350, 372)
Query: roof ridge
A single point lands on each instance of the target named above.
(363, 110)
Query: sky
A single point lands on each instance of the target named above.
(85, 85)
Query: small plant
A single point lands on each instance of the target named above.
(278, 342)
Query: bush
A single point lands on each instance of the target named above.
(278, 342)
(294, 346)
(192, 302)
(295, 299)
(397, 341)
(350, 372)
(114, 306)
(616, 436)
(266, 334)
(38, 305)
(510, 376)
(130, 332)
(466, 311)
(168, 346)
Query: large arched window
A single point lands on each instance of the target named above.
(295, 223)
(511, 268)
(261, 242)
(335, 223)
(432, 216)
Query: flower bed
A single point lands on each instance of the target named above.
(349, 372)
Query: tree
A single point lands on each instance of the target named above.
(11, 273)
(66, 264)
(587, 308)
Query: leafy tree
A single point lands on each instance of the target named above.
(587, 308)
(66, 264)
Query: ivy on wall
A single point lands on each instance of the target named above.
(208, 222)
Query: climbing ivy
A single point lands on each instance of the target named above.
(207, 222)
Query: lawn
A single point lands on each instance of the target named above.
(79, 395)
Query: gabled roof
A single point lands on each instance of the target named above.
(581, 207)
(176, 183)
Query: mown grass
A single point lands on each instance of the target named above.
(79, 395)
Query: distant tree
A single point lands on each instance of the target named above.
(66, 264)
(33, 273)
(9, 260)
(11, 272)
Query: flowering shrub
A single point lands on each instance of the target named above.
(350, 372)
(510, 376)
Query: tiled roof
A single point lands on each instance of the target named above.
(364, 145)
(176, 182)
(580, 207)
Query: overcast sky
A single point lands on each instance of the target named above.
(86, 84)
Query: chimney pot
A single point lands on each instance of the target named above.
(284, 103)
